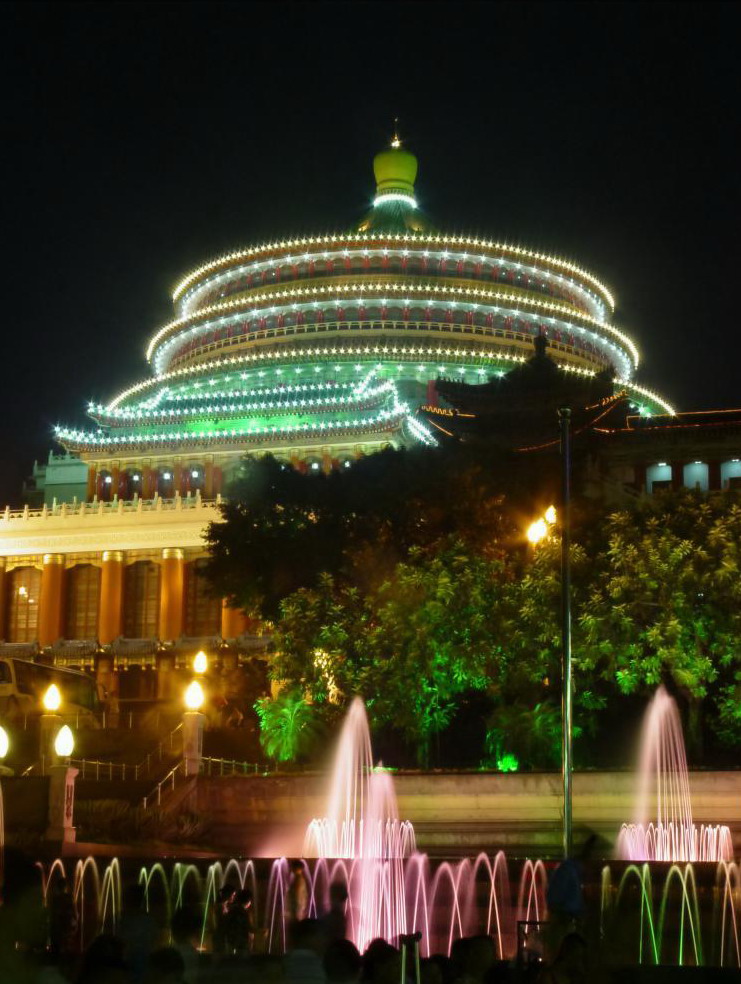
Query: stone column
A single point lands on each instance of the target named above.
(171, 594)
(208, 480)
(110, 620)
(147, 483)
(61, 805)
(50, 603)
(639, 480)
(677, 474)
(233, 622)
(3, 591)
(193, 725)
(714, 482)
(92, 482)
(177, 479)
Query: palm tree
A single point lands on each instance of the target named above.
(289, 726)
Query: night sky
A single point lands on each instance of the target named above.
(139, 141)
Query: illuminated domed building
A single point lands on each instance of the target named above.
(322, 348)
(318, 350)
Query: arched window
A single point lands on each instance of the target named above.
(165, 483)
(202, 610)
(83, 602)
(141, 600)
(24, 589)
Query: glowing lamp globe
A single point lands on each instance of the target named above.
(4, 743)
(550, 515)
(194, 696)
(64, 743)
(537, 531)
(52, 699)
(200, 662)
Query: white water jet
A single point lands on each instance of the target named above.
(362, 825)
(663, 827)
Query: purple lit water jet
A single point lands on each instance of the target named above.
(362, 825)
(663, 828)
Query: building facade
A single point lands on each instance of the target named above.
(318, 350)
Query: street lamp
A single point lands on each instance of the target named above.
(52, 699)
(64, 743)
(567, 693)
(194, 696)
(49, 725)
(200, 662)
(193, 725)
(62, 777)
(538, 530)
(4, 748)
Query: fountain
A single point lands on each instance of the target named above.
(666, 831)
(362, 819)
(362, 825)
(681, 913)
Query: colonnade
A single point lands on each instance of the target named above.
(147, 480)
(171, 621)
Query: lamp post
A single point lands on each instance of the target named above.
(193, 725)
(61, 790)
(564, 416)
(4, 749)
(49, 725)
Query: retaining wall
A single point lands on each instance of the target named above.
(453, 813)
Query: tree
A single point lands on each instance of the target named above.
(289, 726)
(430, 633)
(282, 530)
(665, 603)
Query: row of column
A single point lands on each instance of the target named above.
(146, 482)
(172, 599)
(111, 611)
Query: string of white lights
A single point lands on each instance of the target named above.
(411, 240)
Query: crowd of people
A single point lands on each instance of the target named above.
(39, 944)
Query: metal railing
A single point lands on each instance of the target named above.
(229, 767)
(97, 769)
(168, 780)
(93, 769)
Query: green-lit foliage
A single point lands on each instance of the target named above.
(289, 726)
(406, 579)
(508, 763)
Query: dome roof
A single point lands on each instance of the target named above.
(395, 170)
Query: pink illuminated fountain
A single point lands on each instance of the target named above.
(663, 828)
(362, 825)
(362, 819)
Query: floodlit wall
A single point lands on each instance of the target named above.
(453, 813)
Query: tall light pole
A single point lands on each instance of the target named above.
(564, 416)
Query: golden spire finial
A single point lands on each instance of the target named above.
(395, 141)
